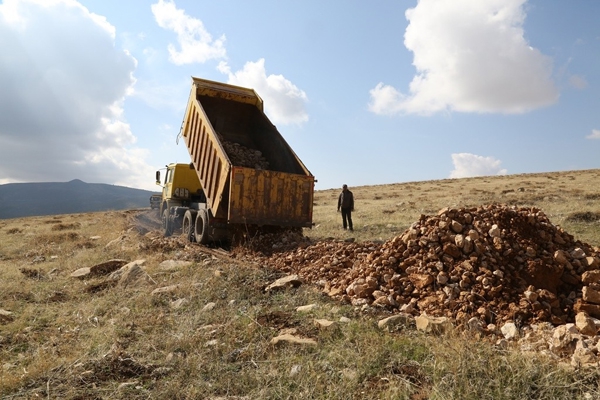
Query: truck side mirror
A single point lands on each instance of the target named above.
(158, 177)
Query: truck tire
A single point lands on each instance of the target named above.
(166, 223)
(201, 227)
(188, 226)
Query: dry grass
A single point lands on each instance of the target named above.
(77, 339)
(386, 210)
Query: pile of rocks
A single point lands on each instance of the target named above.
(242, 156)
(489, 264)
(264, 242)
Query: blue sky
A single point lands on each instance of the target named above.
(364, 92)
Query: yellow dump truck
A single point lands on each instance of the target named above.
(242, 173)
(155, 201)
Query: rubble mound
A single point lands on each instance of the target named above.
(243, 156)
(266, 241)
(494, 263)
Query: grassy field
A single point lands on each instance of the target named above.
(208, 334)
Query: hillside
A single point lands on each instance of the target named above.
(52, 198)
(102, 306)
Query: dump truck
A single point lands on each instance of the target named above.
(155, 201)
(243, 175)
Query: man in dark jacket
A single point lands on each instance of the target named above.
(346, 205)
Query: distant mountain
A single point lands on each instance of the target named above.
(51, 198)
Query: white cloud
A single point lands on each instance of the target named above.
(468, 165)
(284, 102)
(578, 81)
(594, 135)
(470, 56)
(61, 114)
(196, 44)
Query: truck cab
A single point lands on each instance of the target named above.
(181, 190)
(181, 185)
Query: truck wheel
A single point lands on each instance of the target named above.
(188, 225)
(166, 223)
(202, 227)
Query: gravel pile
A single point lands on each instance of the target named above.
(495, 263)
(242, 156)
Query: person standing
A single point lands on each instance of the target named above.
(346, 205)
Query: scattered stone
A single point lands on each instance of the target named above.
(396, 321)
(81, 273)
(564, 339)
(306, 308)
(408, 308)
(475, 324)
(6, 316)
(287, 338)
(431, 324)
(284, 283)
(209, 306)
(179, 303)
(585, 324)
(324, 323)
(131, 274)
(172, 265)
(104, 268)
(584, 357)
(126, 385)
(509, 330)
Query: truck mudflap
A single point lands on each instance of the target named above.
(261, 197)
